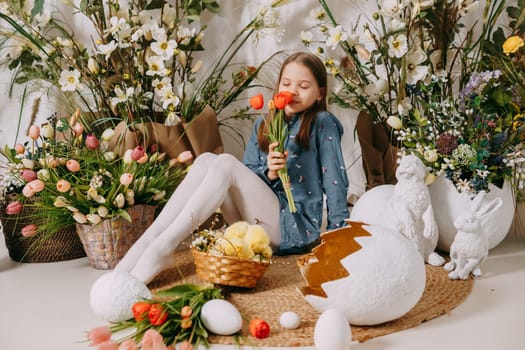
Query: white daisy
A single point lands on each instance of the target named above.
(156, 66)
(397, 45)
(69, 80)
(415, 71)
(162, 46)
(121, 95)
(307, 37)
(336, 35)
(107, 49)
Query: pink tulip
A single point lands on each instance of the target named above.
(185, 157)
(28, 191)
(34, 132)
(78, 129)
(143, 159)
(128, 345)
(63, 186)
(98, 335)
(92, 141)
(29, 230)
(152, 340)
(14, 208)
(37, 185)
(185, 345)
(73, 165)
(108, 345)
(28, 175)
(138, 152)
(19, 148)
(126, 179)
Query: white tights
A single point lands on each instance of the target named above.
(213, 181)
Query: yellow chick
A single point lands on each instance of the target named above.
(225, 247)
(257, 238)
(242, 248)
(267, 252)
(237, 229)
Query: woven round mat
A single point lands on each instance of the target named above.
(277, 292)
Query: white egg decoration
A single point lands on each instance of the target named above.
(372, 274)
(289, 320)
(221, 317)
(332, 331)
(113, 294)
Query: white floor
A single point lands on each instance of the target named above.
(46, 307)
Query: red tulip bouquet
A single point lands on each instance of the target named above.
(277, 132)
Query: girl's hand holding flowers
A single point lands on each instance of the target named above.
(276, 161)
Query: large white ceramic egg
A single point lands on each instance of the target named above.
(372, 274)
(113, 294)
(221, 317)
(332, 331)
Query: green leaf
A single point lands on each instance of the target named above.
(37, 8)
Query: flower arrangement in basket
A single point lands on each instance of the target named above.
(236, 256)
(169, 317)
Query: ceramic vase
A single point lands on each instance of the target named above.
(448, 204)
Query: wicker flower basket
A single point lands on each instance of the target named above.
(107, 242)
(41, 248)
(228, 270)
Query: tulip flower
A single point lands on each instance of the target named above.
(29, 230)
(93, 194)
(47, 131)
(102, 211)
(394, 122)
(34, 187)
(60, 202)
(34, 132)
(185, 157)
(14, 208)
(126, 158)
(28, 163)
(119, 201)
(257, 101)
(140, 310)
(28, 192)
(185, 323)
(107, 135)
(130, 196)
(28, 175)
(152, 340)
(73, 165)
(43, 174)
(79, 217)
(99, 335)
(137, 153)
(126, 179)
(108, 345)
(185, 345)
(19, 148)
(78, 129)
(157, 315)
(128, 345)
(109, 156)
(154, 147)
(63, 186)
(93, 218)
(92, 142)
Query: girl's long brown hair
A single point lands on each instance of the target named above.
(316, 66)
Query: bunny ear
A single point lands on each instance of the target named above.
(477, 201)
(490, 207)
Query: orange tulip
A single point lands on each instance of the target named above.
(257, 101)
(157, 314)
(19, 148)
(282, 99)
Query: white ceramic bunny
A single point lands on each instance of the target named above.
(470, 247)
(405, 207)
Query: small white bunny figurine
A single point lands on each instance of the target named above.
(470, 247)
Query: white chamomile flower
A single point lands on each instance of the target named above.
(169, 99)
(392, 8)
(335, 36)
(156, 66)
(306, 37)
(121, 95)
(317, 14)
(404, 106)
(117, 24)
(185, 34)
(107, 49)
(160, 84)
(69, 80)
(171, 119)
(415, 71)
(397, 45)
(162, 46)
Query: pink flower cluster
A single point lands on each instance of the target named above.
(152, 340)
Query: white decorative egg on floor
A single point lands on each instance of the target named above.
(289, 320)
(372, 274)
(113, 294)
(332, 331)
(221, 317)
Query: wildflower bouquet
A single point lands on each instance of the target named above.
(277, 131)
(172, 316)
(141, 65)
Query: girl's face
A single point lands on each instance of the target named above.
(299, 80)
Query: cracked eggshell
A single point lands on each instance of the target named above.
(377, 274)
(221, 317)
(113, 294)
(332, 331)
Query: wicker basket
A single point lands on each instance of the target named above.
(228, 270)
(107, 242)
(41, 248)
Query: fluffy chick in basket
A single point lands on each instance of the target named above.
(236, 230)
(234, 247)
(258, 240)
(244, 240)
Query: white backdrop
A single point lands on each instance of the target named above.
(234, 15)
